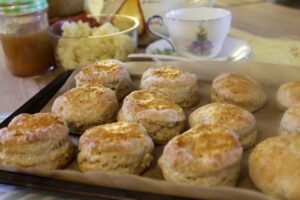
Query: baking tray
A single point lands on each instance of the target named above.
(150, 186)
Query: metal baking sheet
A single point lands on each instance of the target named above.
(269, 75)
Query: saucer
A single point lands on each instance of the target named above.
(234, 49)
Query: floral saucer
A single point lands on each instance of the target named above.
(233, 49)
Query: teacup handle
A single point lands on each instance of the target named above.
(157, 33)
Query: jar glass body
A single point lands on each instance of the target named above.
(25, 43)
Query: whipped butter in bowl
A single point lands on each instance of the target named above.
(86, 39)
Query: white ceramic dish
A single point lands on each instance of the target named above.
(233, 49)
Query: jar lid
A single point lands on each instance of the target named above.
(15, 7)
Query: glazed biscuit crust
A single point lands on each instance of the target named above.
(274, 166)
(120, 148)
(290, 122)
(159, 115)
(182, 87)
(108, 73)
(288, 95)
(241, 121)
(206, 154)
(39, 141)
(26, 128)
(239, 90)
(86, 106)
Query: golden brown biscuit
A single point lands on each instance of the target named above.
(241, 121)
(239, 90)
(288, 95)
(119, 148)
(108, 73)
(39, 141)
(207, 155)
(161, 117)
(290, 122)
(274, 166)
(86, 106)
(181, 86)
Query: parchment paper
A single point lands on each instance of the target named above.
(268, 118)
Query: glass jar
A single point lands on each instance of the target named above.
(24, 37)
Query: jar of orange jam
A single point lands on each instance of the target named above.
(24, 37)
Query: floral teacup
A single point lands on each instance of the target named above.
(197, 33)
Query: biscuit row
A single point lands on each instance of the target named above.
(274, 163)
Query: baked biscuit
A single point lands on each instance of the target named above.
(86, 106)
(182, 87)
(239, 90)
(274, 166)
(119, 148)
(241, 121)
(288, 95)
(206, 155)
(38, 141)
(290, 122)
(108, 73)
(161, 117)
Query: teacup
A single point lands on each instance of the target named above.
(197, 33)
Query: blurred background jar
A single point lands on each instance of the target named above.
(24, 37)
(64, 8)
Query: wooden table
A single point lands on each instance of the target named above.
(254, 16)
(266, 19)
